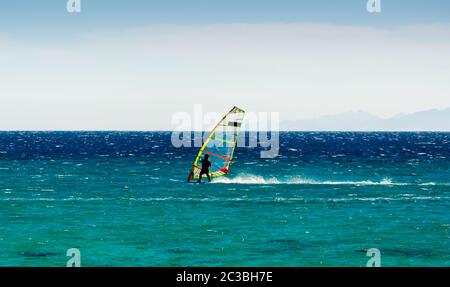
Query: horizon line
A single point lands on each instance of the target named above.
(193, 131)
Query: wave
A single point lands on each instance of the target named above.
(278, 199)
(254, 179)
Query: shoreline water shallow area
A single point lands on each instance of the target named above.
(121, 198)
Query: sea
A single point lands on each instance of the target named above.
(121, 199)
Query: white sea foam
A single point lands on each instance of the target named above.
(255, 179)
(247, 179)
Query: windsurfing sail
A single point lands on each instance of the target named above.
(220, 145)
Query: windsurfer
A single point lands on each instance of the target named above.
(205, 168)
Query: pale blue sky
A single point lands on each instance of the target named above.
(46, 19)
(132, 64)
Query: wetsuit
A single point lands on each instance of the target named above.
(205, 169)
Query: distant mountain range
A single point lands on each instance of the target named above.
(431, 120)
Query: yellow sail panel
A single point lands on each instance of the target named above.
(220, 145)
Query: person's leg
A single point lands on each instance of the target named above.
(200, 177)
(209, 178)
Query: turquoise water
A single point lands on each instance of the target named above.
(121, 198)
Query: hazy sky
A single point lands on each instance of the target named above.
(132, 64)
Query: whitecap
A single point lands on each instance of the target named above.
(255, 179)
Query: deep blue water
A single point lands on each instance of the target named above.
(121, 198)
